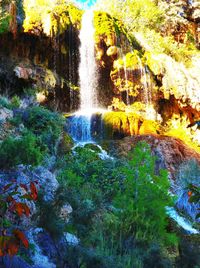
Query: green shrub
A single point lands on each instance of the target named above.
(118, 208)
(15, 102)
(45, 124)
(21, 150)
(48, 212)
(30, 91)
(4, 23)
(142, 200)
(10, 104)
(4, 102)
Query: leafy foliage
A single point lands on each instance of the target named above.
(135, 14)
(22, 150)
(116, 207)
(4, 17)
(46, 125)
(12, 204)
(104, 25)
(53, 17)
(12, 103)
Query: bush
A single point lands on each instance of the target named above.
(118, 207)
(4, 102)
(10, 104)
(4, 23)
(15, 102)
(45, 124)
(49, 218)
(22, 150)
(142, 199)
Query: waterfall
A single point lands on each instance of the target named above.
(147, 87)
(80, 123)
(87, 68)
(146, 82)
(80, 127)
(126, 82)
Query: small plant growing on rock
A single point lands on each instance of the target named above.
(12, 205)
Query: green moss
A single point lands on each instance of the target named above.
(104, 25)
(130, 60)
(108, 27)
(52, 20)
(66, 144)
(4, 24)
(153, 62)
(75, 15)
(64, 15)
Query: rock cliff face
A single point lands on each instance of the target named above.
(170, 152)
(154, 88)
(42, 62)
(44, 54)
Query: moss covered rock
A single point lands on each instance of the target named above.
(121, 124)
(51, 19)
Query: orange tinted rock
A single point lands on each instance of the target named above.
(170, 152)
(148, 127)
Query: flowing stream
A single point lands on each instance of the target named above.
(185, 224)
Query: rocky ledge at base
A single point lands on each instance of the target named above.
(170, 152)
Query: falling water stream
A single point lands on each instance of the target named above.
(87, 68)
(146, 82)
(80, 125)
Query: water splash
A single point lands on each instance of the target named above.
(103, 154)
(186, 225)
(80, 124)
(80, 127)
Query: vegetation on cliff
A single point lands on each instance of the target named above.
(94, 209)
(52, 18)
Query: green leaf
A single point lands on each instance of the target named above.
(197, 216)
(6, 223)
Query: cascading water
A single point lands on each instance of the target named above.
(80, 125)
(146, 82)
(147, 87)
(126, 82)
(87, 68)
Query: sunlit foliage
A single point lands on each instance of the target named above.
(135, 14)
(52, 17)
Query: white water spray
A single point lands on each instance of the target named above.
(185, 224)
(87, 68)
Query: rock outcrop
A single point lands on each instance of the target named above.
(170, 152)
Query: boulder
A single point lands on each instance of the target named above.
(5, 114)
